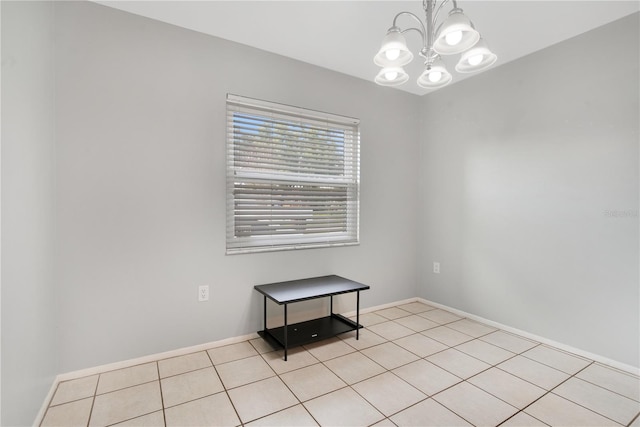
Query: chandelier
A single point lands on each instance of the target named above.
(456, 34)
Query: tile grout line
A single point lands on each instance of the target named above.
(521, 411)
(550, 391)
(319, 362)
(568, 399)
(164, 415)
(518, 410)
(287, 386)
(427, 396)
(224, 387)
(93, 401)
(604, 388)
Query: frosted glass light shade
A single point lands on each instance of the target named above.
(435, 76)
(391, 76)
(394, 51)
(477, 58)
(456, 28)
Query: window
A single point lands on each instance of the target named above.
(293, 177)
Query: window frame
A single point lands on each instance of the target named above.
(346, 175)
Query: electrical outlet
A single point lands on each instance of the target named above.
(436, 267)
(203, 293)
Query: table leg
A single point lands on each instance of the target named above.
(331, 306)
(286, 344)
(358, 315)
(264, 313)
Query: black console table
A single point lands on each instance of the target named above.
(284, 293)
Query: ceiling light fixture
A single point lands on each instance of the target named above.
(456, 34)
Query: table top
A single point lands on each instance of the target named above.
(304, 289)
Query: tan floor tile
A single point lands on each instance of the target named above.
(447, 336)
(393, 313)
(260, 345)
(513, 343)
(486, 352)
(534, 372)
(388, 393)
(474, 405)
(428, 413)
(426, 377)
(420, 345)
(296, 416)
(417, 323)
(389, 355)
(617, 381)
(368, 319)
(557, 411)
(344, 407)
(190, 386)
(391, 330)
(458, 363)
(416, 307)
(154, 419)
(81, 388)
(522, 419)
(241, 350)
(296, 358)
(256, 400)
(440, 316)
(557, 359)
(123, 378)
(244, 371)
(507, 387)
(328, 349)
(469, 327)
(68, 414)
(215, 410)
(122, 405)
(354, 367)
(366, 339)
(312, 381)
(636, 422)
(182, 364)
(600, 400)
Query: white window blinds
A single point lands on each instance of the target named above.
(293, 177)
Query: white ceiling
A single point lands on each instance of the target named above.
(345, 35)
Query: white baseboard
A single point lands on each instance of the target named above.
(380, 307)
(579, 352)
(153, 357)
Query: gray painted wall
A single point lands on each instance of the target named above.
(140, 133)
(29, 351)
(518, 180)
(529, 193)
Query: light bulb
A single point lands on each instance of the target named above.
(391, 75)
(475, 59)
(453, 38)
(435, 76)
(392, 54)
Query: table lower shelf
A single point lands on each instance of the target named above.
(309, 331)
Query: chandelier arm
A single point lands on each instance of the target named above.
(425, 52)
(437, 11)
(421, 30)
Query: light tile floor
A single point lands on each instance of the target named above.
(414, 365)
